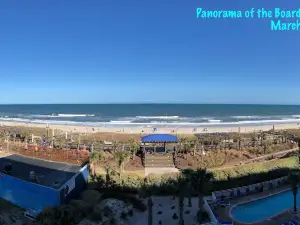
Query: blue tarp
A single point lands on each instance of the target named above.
(159, 138)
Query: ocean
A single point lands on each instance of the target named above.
(152, 115)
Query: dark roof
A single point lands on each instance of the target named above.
(47, 172)
(160, 138)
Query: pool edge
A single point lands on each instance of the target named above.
(256, 199)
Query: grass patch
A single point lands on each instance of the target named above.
(242, 170)
(140, 173)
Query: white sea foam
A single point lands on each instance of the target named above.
(246, 117)
(204, 118)
(152, 123)
(158, 117)
(120, 121)
(71, 115)
(215, 121)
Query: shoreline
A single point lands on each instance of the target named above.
(149, 130)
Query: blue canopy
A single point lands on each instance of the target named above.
(160, 138)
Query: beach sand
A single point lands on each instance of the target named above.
(149, 130)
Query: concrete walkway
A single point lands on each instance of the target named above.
(160, 170)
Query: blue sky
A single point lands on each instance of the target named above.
(55, 51)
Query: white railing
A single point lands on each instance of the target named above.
(210, 213)
(227, 194)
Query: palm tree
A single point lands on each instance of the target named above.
(262, 138)
(133, 147)
(150, 215)
(294, 181)
(93, 159)
(181, 205)
(181, 182)
(200, 178)
(298, 152)
(265, 145)
(187, 146)
(108, 171)
(253, 139)
(197, 144)
(115, 145)
(121, 157)
(187, 174)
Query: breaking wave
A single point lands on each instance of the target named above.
(158, 117)
(128, 119)
(70, 115)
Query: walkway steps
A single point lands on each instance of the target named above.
(158, 161)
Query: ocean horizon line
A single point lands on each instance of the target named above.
(154, 103)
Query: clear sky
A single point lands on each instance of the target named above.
(97, 51)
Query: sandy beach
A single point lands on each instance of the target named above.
(149, 130)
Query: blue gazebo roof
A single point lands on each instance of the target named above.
(160, 138)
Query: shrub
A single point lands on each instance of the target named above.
(90, 196)
(123, 216)
(96, 214)
(130, 212)
(57, 216)
(112, 221)
(136, 203)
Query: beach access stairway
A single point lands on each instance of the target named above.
(159, 160)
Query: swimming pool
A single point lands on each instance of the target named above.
(264, 208)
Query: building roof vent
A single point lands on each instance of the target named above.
(56, 184)
(32, 176)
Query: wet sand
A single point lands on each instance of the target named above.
(148, 130)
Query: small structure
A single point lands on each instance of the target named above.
(35, 184)
(159, 138)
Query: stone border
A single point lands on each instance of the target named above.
(256, 199)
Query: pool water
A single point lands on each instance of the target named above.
(264, 208)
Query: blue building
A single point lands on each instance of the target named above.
(34, 184)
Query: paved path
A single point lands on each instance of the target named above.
(271, 155)
(161, 170)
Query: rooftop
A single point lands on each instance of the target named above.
(160, 138)
(47, 172)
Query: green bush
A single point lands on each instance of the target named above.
(263, 167)
(166, 184)
(90, 196)
(60, 215)
(253, 173)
